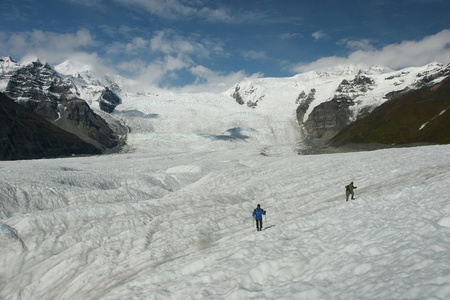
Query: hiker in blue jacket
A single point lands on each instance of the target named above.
(257, 214)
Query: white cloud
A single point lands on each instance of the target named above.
(54, 48)
(132, 66)
(433, 48)
(137, 43)
(174, 9)
(216, 15)
(90, 3)
(152, 74)
(363, 44)
(290, 35)
(48, 46)
(135, 46)
(318, 35)
(254, 55)
(166, 41)
(211, 81)
(206, 80)
(152, 62)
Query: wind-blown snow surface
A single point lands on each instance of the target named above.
(147, 225)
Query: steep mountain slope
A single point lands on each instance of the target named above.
(325, 101)
(25, 135)
(312, 106)
(7, 67)
(41, 89)
(99, 90)
(420, 116)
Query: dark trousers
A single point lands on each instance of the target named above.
(259, 224)
(348, 193)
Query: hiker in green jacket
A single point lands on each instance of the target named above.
(349, 191)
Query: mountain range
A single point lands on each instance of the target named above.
(102, 109)
(414, 117)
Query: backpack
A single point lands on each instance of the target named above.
(347, 188)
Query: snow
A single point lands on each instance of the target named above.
(283, 92)
(425, 124)
(171, 217)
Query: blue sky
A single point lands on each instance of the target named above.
(211, 44)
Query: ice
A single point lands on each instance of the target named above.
(153, 226)
(171, 217)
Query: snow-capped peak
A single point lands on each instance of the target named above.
(7, 67)
(8, 64)
(69, 67)
(7, 60)
(30, 60)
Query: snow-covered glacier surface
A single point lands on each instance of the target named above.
(171, 217)
(178, 225)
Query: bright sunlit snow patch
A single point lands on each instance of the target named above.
(425, 124)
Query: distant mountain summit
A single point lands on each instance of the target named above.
(412, 117)
(312, 106)
(40, 89)
(94, 87)
(326, 101)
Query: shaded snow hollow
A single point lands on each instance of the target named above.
(178, 226)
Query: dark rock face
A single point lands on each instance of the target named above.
(237, 96)
(25, 135)
(329, 117)
(109, 100)
(430, 75)
(40, 89)
(78, 118)
(356, 87)
(36, 82)
(304, 101)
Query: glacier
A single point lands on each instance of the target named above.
(170, 217)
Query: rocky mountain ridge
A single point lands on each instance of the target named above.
(39, 88)
(314, 105)
(26, 135)
(413, 117)
(326, 101)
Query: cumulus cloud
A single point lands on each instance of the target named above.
(151, 62)
(151, 77)
(208, 80)
(216, 15)
(290, 35)
(160, 67)
(90, 3)
(318, 35)
(185, 9)
(363, 44)
(433, 48)
(254, 55)
(134, 46)
(175, 9)
(168, 42)
(48, 46)
(133, 66)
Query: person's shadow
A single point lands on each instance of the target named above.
(271, 226)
